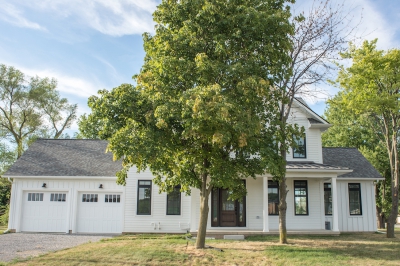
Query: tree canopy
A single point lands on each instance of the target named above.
(31, 107)
(198, 115)
(371, 89)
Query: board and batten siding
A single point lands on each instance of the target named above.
(72, 187)
(158, 221)
(357, 223)
(313, 138)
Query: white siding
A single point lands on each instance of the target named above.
(313, 138)
(357, 223)
(70, 186)
(158, 221)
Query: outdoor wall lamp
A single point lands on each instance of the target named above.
(44, 185)
(101, 186)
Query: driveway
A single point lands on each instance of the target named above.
(23, 245)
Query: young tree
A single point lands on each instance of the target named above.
(26, 103)
(204, 112)
(319, 36)
(371, 88)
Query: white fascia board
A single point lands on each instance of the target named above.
(309, 111)
(321, 127)
(359, 179)
(67, 177)
(297, 173)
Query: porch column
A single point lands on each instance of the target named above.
(265, 204)
(335, 211)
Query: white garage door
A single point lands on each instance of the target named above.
(99, 213)
(44, 212)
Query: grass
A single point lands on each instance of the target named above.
(354, 249)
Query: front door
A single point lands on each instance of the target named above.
(227, 212)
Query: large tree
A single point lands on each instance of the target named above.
(355, 130)
(31, 107)
(371, 88)
(203, 114)
(319, 35)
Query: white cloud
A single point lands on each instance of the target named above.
(115, 18)
(74, 86)
(13, 15)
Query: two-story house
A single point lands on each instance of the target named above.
(68, 185)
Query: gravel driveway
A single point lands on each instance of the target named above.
(23, 245)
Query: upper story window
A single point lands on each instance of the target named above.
(273, 198)
(355, 199)
(144, 197)
(300, 150)
(174, 201)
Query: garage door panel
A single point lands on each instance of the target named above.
(100, 216)
(43, 215)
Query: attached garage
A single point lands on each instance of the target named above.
(66, 186)
(99, 213)
(44, 212)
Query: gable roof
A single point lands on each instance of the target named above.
(316, 117)
(351, 158)
(65, 157)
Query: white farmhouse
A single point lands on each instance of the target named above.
(68, 186)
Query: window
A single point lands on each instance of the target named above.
(174, 201)
(328, 198)
(355, 199)
(112, 198)
(300, 198)
(58, 197)
(300, 150)
(35, 196)
(90, 197)
(144, 197)
(273, 197)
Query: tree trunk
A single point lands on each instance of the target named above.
(201, 233)
(394, 165)
(380, 217)
(282, 212)
(20, 148)
(282, 204)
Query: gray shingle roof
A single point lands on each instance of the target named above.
(313, 166)
(65, 157)
(352, 158)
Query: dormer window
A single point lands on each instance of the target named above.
(300, 150)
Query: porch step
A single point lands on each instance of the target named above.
(234, 237)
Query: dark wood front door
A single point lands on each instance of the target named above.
(227, 212)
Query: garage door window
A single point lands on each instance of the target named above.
(35, 196)
(90, 197)
(58, 197)
(112, 198)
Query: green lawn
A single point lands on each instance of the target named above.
(354, 249)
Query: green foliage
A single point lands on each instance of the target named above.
(31, 107)
(370, 102)
(203, 96)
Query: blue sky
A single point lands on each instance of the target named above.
(97, 44)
